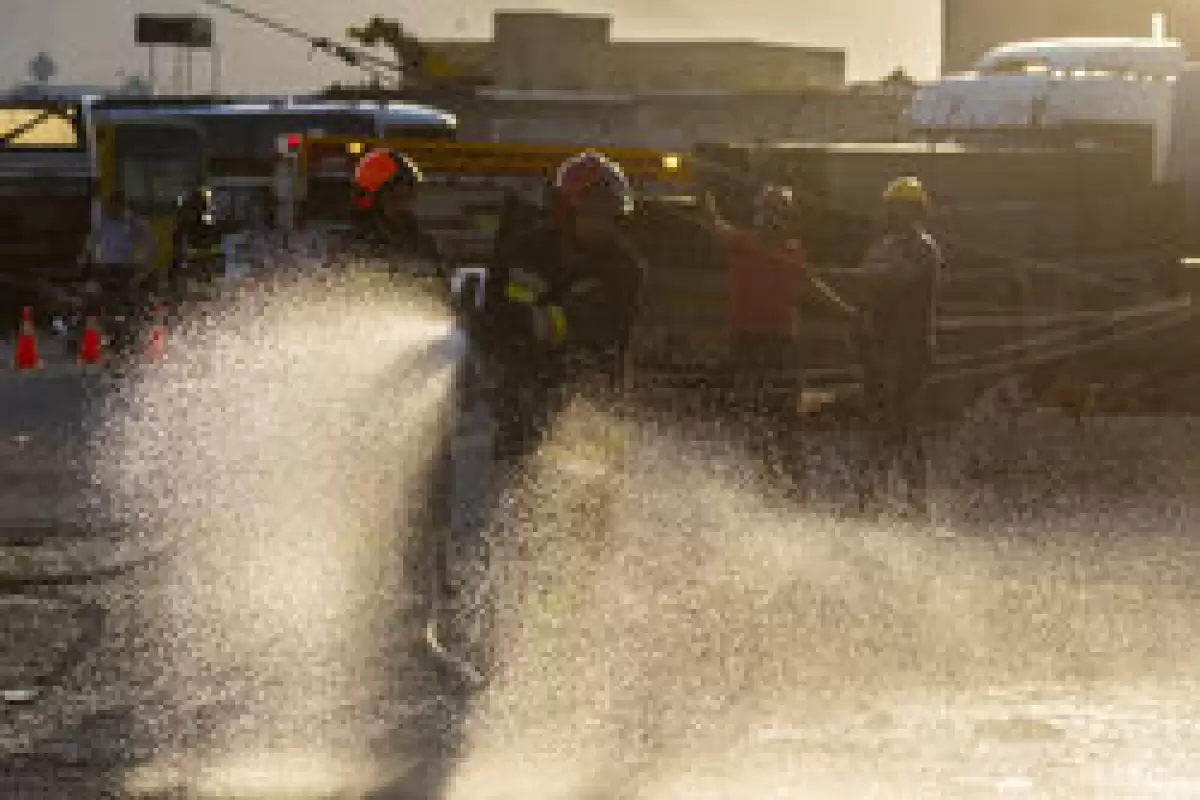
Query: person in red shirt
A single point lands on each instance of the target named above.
(767, 279)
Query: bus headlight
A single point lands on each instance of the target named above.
(671, 162)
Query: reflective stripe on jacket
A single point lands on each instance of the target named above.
(549, 320)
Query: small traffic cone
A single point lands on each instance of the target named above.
(91, 346)
(157, 336)
(25, 357)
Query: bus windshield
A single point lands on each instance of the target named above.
(156, 165)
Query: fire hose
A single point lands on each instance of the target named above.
(1061, 345)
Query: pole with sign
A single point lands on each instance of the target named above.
(286, 168)
(186, 33)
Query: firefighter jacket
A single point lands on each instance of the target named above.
(903, 271)
(551, 300)
(403, 245)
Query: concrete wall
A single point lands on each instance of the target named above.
(680, 121)
(721, 66)
(553, 51)
(971, 27)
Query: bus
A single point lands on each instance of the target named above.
(244, 136)
(60, 157)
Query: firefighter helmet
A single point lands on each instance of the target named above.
(588, 172)
(381, 169)
(906, 190)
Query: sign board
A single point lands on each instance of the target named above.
(176, 30)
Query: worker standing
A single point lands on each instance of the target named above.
(902, 270)
(117, 257)
(561, 300)
(384, 190)
(768, 279)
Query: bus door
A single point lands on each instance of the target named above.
(153, 164)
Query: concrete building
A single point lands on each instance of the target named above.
(559, 78)
(548, 50)
(971, 27)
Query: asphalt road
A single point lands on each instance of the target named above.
(74, 722)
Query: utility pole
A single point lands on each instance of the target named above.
(215, 70)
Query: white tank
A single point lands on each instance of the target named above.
(1049, 84)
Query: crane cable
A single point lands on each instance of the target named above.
(352, 56)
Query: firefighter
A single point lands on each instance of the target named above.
(120, 250)
(384, 189)
(561, 300)
(768, 278)
(386, 186)
(118, 257)
(197, 245)
(902, 269)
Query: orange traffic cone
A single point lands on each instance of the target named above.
(91, 346)
(25, 357)
(157, 337)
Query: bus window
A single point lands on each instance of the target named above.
(328, 201)
(267, 130)
(229, 136)
(424, 133)
(155, 166)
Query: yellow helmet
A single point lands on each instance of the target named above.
(906, 190)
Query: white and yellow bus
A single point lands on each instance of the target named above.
(243, 137)
(60, 158)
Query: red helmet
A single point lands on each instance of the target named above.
(586, 172)
(381, 169)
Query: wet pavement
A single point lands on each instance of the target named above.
(52, 614)
(1066, 550)
(76, 717)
